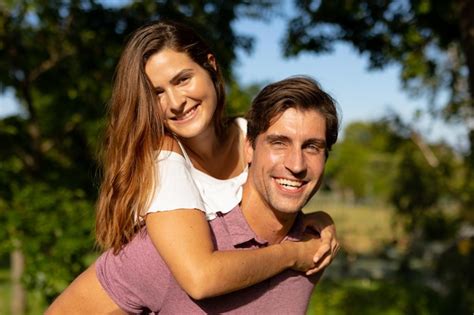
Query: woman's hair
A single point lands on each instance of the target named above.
(135, 129)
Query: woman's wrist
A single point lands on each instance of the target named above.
(290, 253)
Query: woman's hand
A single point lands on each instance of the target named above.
(302, 252)
(322, 223)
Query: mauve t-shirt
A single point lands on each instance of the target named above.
(138, 280)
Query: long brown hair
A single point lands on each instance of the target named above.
(135, 129)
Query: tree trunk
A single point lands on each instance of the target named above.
(18, 297)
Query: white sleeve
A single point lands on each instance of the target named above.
(175, 187)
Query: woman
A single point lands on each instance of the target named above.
(169, 147)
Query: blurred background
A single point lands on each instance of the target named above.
(398, 183)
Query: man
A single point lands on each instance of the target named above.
(292, 125)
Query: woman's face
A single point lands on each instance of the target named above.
(184, 91)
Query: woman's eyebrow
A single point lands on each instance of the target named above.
(175, 78)
(178, 76)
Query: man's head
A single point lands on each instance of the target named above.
(299, 92)
(292, 125)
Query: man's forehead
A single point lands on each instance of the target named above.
(308, 123)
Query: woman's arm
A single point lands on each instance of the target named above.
(183, 239)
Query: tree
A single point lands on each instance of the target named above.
(432, 41)
(363, 164)
(58, 57)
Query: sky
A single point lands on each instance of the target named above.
(362, 95)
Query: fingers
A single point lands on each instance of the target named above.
(320, 265)
(324, 249)
(328, 235)
(325, 254)
(334, 248)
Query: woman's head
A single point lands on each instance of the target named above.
(136, 123)
(155, 39)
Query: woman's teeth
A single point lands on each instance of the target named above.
(187, 114)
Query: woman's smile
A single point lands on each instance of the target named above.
(187, 115)
(185, 93)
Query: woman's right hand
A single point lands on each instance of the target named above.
(303, 252)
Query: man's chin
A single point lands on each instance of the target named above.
(291, 208)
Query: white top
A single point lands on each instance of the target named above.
(182, 186)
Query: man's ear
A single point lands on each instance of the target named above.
(248, 151)
(212, 61)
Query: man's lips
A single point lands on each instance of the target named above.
(186, 115)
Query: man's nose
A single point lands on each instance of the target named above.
(295, 162)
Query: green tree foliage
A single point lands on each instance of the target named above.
(426, 37)
(58, 57)
(362, 165)
(239, 97)
(432, 41)
(388, 160)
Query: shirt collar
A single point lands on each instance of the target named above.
(241, 233)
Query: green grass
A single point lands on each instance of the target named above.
(5, 291)
(35, 303)
(361, 229)
(371, 297)
(363, 232)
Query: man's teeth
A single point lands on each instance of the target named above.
(288, 183)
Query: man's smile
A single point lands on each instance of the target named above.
(289, 184)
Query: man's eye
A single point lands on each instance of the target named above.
(314, 148)
(184, 80)
(277, 143)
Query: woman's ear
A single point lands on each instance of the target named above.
(212, 61)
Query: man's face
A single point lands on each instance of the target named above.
(288, 161)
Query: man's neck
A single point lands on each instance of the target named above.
(266, 223)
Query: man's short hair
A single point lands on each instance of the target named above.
(299, 92)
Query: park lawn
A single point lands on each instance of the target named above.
(35, 304)
(364, 231)
(372, 297)
(361, 229)
(4, 291)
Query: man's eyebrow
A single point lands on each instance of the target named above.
(317, 141)
(277, 137)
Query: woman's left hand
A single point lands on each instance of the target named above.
(322, 223)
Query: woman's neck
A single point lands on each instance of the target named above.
(219, 157)
(203, 146)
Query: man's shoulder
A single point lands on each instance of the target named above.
(230, 229)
